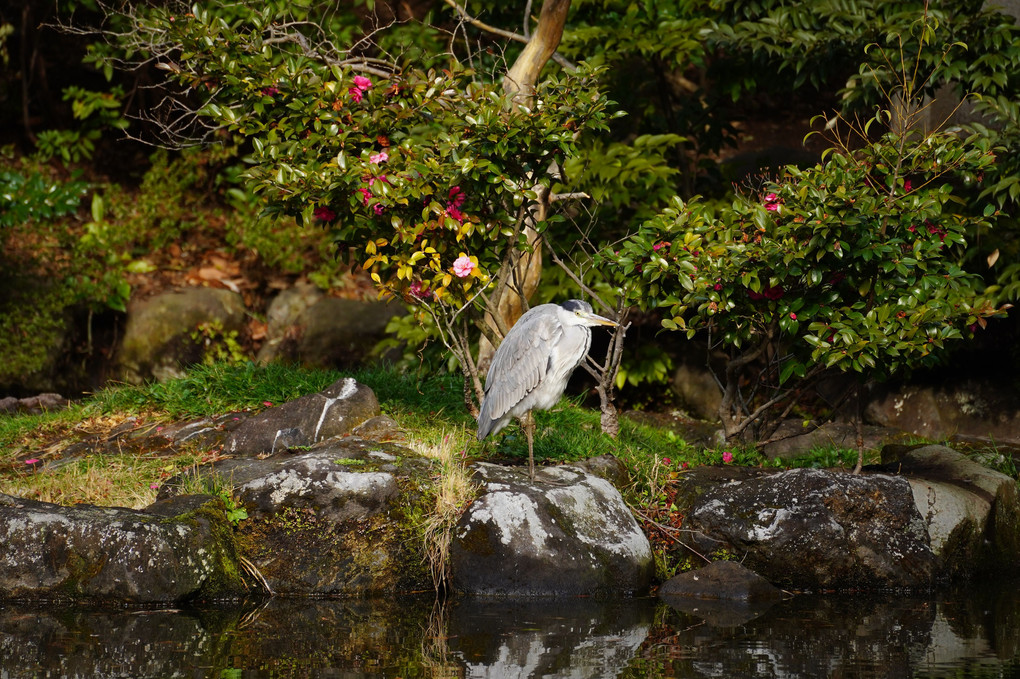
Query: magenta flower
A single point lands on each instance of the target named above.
(356, 94)
(454, 213)
(463, 266)
(419, 291)
(727, 457)
(907, 186)
(457, 196)
(34, 460)
(377, 208)
(380, 157)
(324, 213)
(154, 486)
(666, 461)
(269, 91)
(664, 244)
(793, 316)
(772, 202)
(362, 83)
(366, 194)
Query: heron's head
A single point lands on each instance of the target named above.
(579, 312)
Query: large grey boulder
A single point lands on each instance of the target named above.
(173, 551)
(308, 327)
(810, 528)
(969, 408)
(972, 513)
(158, 338)
(334, 520)
(334, 411)
(569, 532)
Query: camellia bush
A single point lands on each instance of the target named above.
(434, 180)
(847, 266)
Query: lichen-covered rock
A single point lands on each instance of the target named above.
(158, 340)
(172, 551)
(334, 411)
(810, 528)
(972, 513)
(336, 520)
(566, 533)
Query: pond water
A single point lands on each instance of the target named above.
(956, 633)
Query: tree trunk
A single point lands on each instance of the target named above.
(520, 84)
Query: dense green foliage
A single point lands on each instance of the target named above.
(397, 139)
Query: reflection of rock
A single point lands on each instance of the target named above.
(961, 633)
(560, 637)
(568, 533)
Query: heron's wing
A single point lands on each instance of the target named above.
(522, 360)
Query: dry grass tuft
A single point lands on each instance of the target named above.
(453, 491)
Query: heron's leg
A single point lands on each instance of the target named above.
(528, 422)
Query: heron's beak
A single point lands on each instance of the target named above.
(600, 320)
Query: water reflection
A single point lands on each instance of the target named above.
(964, 633)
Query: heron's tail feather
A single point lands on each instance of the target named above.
(485, 423)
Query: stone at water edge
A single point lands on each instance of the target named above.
(723, 593)
(721, 580)
(811, 528)
(566, 533)
(335, 520)
(972, 513)
(173, 551)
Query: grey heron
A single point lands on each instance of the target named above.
(530, 369)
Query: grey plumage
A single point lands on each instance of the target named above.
(532, 365)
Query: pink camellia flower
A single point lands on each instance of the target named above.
(377, 208)
(727, 457)
(666, 461)
(267, 403)
(362, 83)
(380, 157)
(772, 202)
(270, 91)
(659, 246)
(454, 213)
(366, 194)
(419, 291)
(463, 266)
(717, 287)
(907, 186)
(324, 213)
(32, 461)
(793, 316)
(356, 94)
